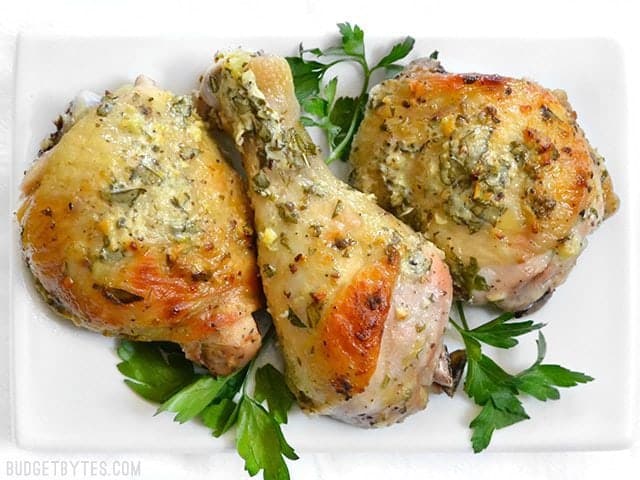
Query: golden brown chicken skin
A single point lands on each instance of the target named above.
(494, 170)
(133, 225)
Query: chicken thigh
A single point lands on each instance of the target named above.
(133, 225)
(494, 170)
(359, 301)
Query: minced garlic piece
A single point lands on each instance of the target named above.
(402, 313)
(570, 247)
(268, 236)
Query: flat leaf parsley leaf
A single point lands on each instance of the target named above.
(496, 390)
(271, 386)
(339, 117)
(193, 399)
(155, 371)
(261, 443)
(501, 331)
(220, 416)
(540, 381)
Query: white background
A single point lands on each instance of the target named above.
(543, 18)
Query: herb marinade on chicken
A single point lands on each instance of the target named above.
(133, 225)
(494, 170)
(359, 300)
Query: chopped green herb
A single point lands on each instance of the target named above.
(295, 319)
(466, 278)
(314, 313)
(288, 212)
(182, 106)
(119, 296)
(269, 270)
(127, 195)
(260, 182)
(337, 209)
(188, 153)
(106, 104)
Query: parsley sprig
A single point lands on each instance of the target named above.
(159, 372)
(498, 391)
(339, 117)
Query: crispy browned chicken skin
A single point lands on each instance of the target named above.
(133, 225)
(494, 170)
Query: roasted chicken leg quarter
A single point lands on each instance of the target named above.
(494, 170)
(359, 300)
(133, 225)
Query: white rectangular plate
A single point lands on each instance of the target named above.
(69, 395)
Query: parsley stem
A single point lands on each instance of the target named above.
(457, 327)
(247, 375)
(327, 66)
(251, 366)
(461, 314)
(337, 152)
